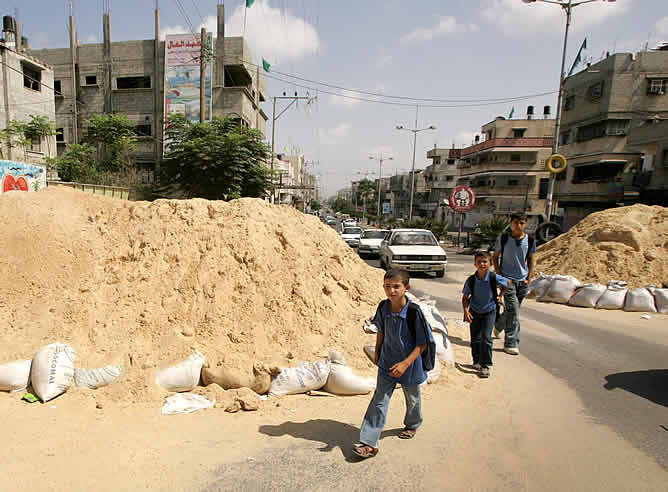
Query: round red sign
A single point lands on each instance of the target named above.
(462, 199)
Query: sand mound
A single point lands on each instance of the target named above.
(626, 243)
(142, 284)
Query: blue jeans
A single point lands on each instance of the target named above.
(510, 319)
(376, 413)
(481, 337)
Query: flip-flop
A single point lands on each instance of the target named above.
(365, 451)
(407, 434)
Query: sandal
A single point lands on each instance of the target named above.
(365, 451)
(407, 433)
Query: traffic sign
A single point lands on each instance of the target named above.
(462, 199)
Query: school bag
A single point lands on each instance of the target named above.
(504, 239)
(492, 284)
(429, 353)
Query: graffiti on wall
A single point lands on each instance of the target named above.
(21, 176)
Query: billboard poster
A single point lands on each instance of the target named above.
(182, 76)
(386, 208)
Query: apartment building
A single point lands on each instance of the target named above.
(613, 134)
(506, 166)
(440, 180)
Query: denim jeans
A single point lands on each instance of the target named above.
(481, 337)
(510, 319)
(376, 413)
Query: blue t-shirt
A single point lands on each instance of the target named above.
(483, 299)
(398, 343)
(514, 259)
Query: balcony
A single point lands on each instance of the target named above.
(508, 143)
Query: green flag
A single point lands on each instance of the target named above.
(249, 3)
(512, 112)
(266, 65)
(578, 58)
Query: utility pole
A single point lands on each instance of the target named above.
(202, 77)
(73, 56)
(380, 159)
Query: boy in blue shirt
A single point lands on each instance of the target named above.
(480, 302)
(398, 357)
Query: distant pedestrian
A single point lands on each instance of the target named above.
(480, 302)
(514, 259)
(403, 334)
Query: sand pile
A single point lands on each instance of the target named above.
(626, 243)
(143, 284)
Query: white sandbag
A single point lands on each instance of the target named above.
(96, 378)
(305, 377)
(343, 381)
(640, 300)
(444, 349)
(587, 296)
(561, 289)
(370, 351)
(52, 370)
(183, 376)
(434, 374)
(14, 376)
(335, 356)
(539, 285)
(613, 297)
(185, 403)
(661, 300)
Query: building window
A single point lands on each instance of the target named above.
(91, 79)
(518, 132)
(133, 82)
(57, 88)
(513, 182)
(665, 158)
(143, 130)
(542, 188)
(60, 135)
(36, 144)
(32, 77)
(601, 172)
(451, 161)
(565, 137)
(515, 157)
(595, 91)
(657, 86)
(569, 103)
(437, 160)
(617, 127)
(450, 178)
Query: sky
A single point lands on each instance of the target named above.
(458, 57)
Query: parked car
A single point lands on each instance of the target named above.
(370, 241)
(351, 235)
(331, 222)
(415, 250)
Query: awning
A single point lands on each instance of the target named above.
(504, 173)
(601, 161)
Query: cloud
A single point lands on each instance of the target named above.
(446, 25)
(91, 39)
(662, 26)
(345, 101)
(383, 61)
(517, 19)
(334, 135)
(272, 33)
(464, 138)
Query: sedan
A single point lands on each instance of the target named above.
(415, 250)
(370, 242)
(351, 235)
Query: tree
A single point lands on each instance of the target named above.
(115, 138)
(216, 160)
(78, 163)
(365, 191)
(40, 127)
(489, 229)
(315, 205)
(15, 136)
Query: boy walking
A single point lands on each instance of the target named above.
(514, 259)
(403, 334)
(480, 301)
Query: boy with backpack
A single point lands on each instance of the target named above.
(514, 259)
(481, 301)
(405, 351)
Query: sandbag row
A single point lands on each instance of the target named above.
(566, 289)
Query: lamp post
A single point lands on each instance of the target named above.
(568, 6)
(415, 131)
(380, 159)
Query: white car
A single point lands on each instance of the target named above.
(351, 235)
(415, 250)
(370, 242)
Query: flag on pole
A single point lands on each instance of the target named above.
(249, 3)
(578, 58)
(512, 112)
(266, 65)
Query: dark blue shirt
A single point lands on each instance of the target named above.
(483, 299)
(399, 342)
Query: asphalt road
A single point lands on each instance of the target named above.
(592, 358)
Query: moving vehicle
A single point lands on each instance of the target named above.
(415, 250)
(370, 242)
(351, 235)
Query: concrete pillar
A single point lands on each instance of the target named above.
(158, 80)
(218, 89)
(5, 94)
(106, 84)
(75, 81)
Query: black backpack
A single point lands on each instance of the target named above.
(504, 239)
(492, 283)
(429, 353)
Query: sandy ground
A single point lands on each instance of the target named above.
(520, 430)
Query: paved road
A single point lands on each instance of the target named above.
(621, 378)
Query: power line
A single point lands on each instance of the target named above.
(198, 11)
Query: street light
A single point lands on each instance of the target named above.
(380, 159)
(568, 6)
(415, 132)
